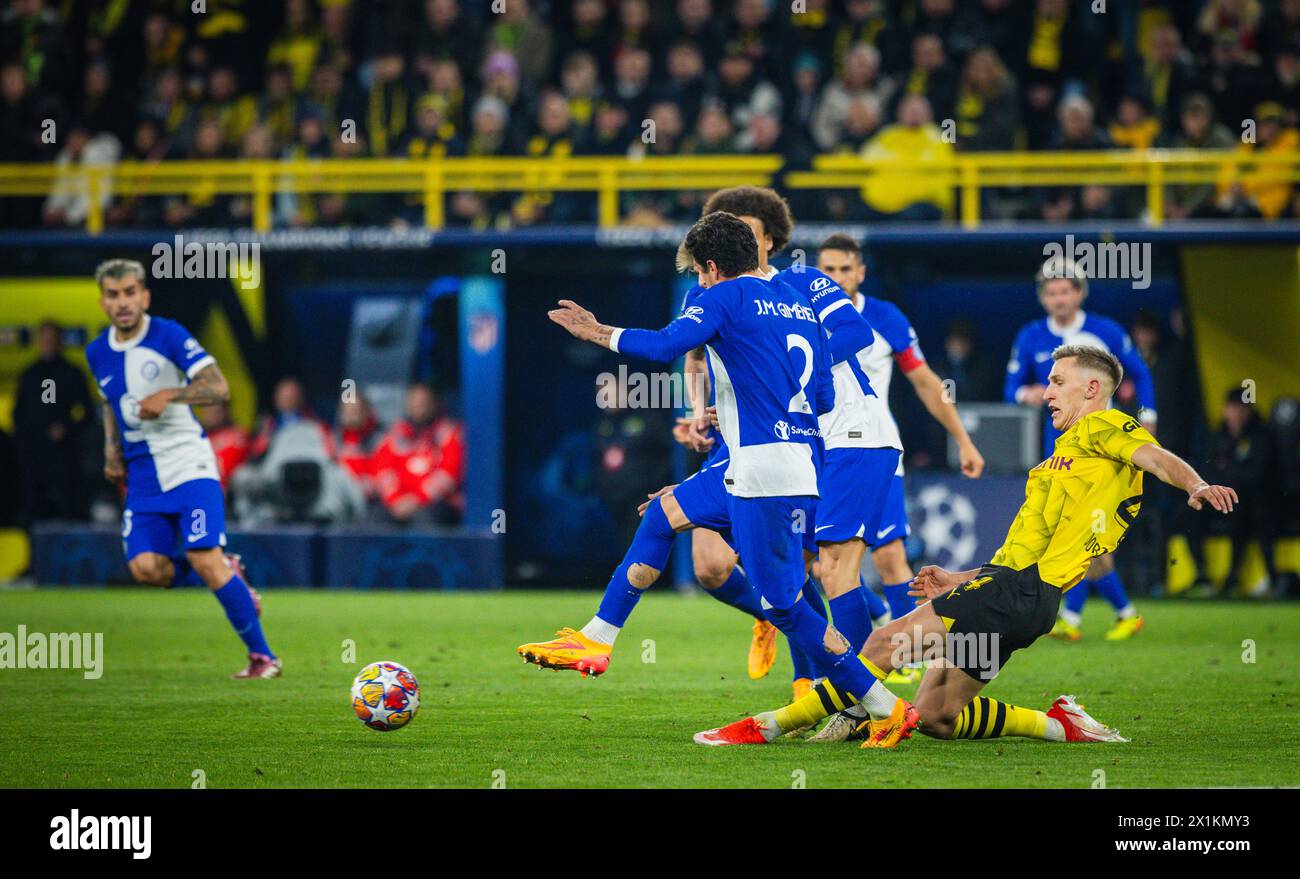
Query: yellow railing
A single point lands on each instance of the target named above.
(971, 173)
(608, 177)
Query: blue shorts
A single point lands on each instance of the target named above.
(771, 534)
(854, 485)
(703, 498)
(190, 516)
(893, 521)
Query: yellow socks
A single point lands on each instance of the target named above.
(824, 700)
(986, 718)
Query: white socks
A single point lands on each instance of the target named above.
(1071, 617)
(878, 702)
(600, 631)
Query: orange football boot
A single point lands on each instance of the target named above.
(570, 649)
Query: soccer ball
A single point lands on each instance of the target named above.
(385, 696)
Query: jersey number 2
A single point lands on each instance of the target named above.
(799, 402)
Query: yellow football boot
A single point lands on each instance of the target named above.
(889, 731)
(762, 649)
(802, 687)
(1065, 630)
(1124, 629)
(569, 650)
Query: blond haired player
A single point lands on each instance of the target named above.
(1078, 505)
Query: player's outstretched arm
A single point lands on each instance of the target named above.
(207, 388)
(581, 323)
(664, 345)
(1173, 470)
(944, 410)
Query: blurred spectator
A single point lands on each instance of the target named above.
(419, 468)
(1165, 73)
(69, 201)
(231, 443)
(1256, 191)
(580, 86)
(988, 106)
(1077, 132)
(387, 103)
(631, 453)
(446, 34)
(1173, 372)
(51, 408)
(356, 435)
(931, 75)
(289, 406)
(521, 32)
(1240, 455)
(1134, 128)
(1051, 52)
(860, 79)
(892, 195)
(977, 377)
(1196, 130)
(686, 81)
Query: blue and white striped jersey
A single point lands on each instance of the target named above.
(172, 449)
(770, 364)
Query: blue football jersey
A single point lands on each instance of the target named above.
(173, 449)
(1031, 360)
(860, 417)
(770, 365)
(719, 450)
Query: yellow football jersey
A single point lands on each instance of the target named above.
(1079, 502)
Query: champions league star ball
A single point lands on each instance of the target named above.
(385, 696)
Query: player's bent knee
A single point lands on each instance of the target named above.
(712, 576)
(152, 569)
(891, 562)
(642, 576)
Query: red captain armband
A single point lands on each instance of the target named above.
(909, 358)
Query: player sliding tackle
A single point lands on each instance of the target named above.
(771, 365)
(1078, 505)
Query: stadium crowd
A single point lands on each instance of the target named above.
(148, 80)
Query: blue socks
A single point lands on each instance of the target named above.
(651, 545)
(806, 631)
(813, 596)
(803, 664)
(1112, 589)
(242, 613)
(850, 617)
(900, 603)
(738, 592)
(1075, 599)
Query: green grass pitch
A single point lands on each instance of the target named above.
(165, 708)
